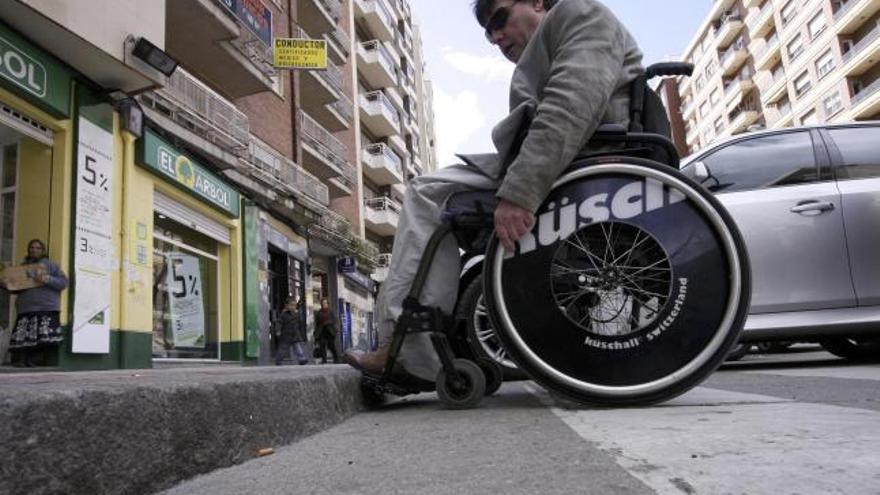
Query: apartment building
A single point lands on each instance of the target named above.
(774, 63)
(221, 188)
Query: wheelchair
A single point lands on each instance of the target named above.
(631, 288)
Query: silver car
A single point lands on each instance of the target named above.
(807, 201)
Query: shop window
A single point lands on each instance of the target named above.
(185, 292)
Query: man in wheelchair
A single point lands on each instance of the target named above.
(575, 67)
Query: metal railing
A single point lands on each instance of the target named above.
(333, 228)
(386, 105)
(344, 107)
(341, 39)
(385, 57)
(736, 46)
(862, 44)
(846, 7)
(333, 7)
(750, 23)
(865, 93)
(216, 112)
(327, 146)
(255, 50)
(384, 12)
(383, 150)
(274, 167)
(382, 204)
(771, 44)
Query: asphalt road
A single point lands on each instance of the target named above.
(802, 422)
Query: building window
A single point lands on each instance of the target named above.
(719, 125)
(700, 83)
(832, 104)
(825, 64)
(817, 25)
(185, 292)
(802, 84)
(704, 109)
(795, 48)
(714, 97)
(789, 11)
(711, 68)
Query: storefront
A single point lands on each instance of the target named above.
(356, 307)
(36, 143)
(275, 266)
(186, 227)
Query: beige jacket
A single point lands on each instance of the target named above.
(573, 76)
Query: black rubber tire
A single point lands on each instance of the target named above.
(468, 303)
(853, 348)
(493, 373)
(739, 351)
(629, 368)
(464, 395)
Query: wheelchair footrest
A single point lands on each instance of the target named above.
(417, 318)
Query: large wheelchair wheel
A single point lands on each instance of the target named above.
(631, 288)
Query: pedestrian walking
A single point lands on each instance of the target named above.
(38, 325)
(325, 332)
(291, 333)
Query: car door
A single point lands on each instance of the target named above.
(855, 152)
(788, 210)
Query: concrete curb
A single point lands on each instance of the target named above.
(140, 431)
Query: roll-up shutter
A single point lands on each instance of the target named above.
(27, 126)
(191, 218)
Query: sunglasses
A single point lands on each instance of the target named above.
(497, 21)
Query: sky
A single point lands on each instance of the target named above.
(471, 77)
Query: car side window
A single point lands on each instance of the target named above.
(860, 149)
(765, 161)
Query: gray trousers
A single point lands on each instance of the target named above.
(420, 216)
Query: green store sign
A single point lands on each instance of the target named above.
(162, 158)
(33, 74)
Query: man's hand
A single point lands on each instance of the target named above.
(511, 223)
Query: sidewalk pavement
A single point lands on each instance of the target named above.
(140, 431)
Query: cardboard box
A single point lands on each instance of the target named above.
(22, 277)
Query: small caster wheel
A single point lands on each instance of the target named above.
(372, 397)
(465, 390)
(493, 373)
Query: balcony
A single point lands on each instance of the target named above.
(719, 7)
(779, 115)
(768, 55)
(333, 230)
(738, 87)
(382, 165)
(863, 55)
(377, 64)
(866, 103)
(398, 145)
(378, 114)
(741, 118)
(325, 156)
(283, 176)
(337, 116)
(773, 86)
(760, 21)
(377, 17)
(383, 264)
(207, 39)
(318, 16)
(853, 15)
(340, 42)
(733, 57)
(730, 26)
(203, 118)
(381, 216)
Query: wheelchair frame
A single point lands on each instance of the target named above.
(455, 374)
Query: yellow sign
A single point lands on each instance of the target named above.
(291, 53)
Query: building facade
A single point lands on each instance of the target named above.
(773, 63)
(186, 208)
